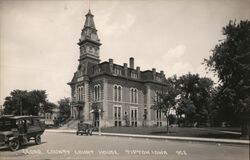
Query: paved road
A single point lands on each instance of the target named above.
(70, 146)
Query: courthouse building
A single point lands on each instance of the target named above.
(110, 94)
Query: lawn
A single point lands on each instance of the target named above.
(226, 133)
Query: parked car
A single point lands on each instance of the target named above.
(85, 128)
(18, 130)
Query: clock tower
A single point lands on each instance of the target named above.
(89, 42)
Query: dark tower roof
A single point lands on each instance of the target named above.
(89, 22)
(89, 32)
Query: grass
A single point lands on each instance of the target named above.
(226, 133)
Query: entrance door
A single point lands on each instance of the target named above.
(133, 116)
(96, 119)
(117, 115)
(80, 112)
(159, 118)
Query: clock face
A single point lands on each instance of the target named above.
(91, 50)
(94, 37)
(86, 49)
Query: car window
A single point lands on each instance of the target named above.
(7, 122)
(19, 122)
(29, 122)
(35, 121)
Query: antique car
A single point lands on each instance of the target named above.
(85, 128)
(18, 130)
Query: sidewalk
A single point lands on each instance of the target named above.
(211, 140)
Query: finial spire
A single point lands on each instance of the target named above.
(89, 31)
(89, 5)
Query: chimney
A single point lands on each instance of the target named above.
(138, 69)
(154, 70)
(162, 72)
(111, 65)
(154, 73)
(111, 61)
(131, 62)
(125, 66)
(138, 72)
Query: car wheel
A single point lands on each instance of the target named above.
(14, 144)
(90, 132)
(38, 139)
(76, 133)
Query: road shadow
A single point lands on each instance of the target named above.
(222, 136)
(163, 133)
(203, 135)
(23, 146)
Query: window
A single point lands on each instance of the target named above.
(117, 71)
(158, 78)
(134, 75)
(80, 92)
(97, 92)
(158, 97)
(117, 93)
(158, 114)
(29, 122)
(97, 70)
(133, 95)
(133, 116)
(117, 110)
(159, 117)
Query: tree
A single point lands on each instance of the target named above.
(185, 108)
(166, 99)
(230, 59)
(22, 102)
(195, 93)
(64, 109)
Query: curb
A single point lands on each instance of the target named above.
(210, 140)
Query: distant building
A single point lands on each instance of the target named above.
(123, 93)
(50, 117)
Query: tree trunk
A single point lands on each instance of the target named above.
(167, 122)
(245, 129)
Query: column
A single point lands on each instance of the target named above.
(105, 103)
(86, 100)
(149, 120)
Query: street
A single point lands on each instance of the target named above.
(70, 146)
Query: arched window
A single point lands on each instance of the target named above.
(79, 96)
(78, 93)
(81, 93)
(117, 93)
(158, 96)
(133, 95)
(97, 92)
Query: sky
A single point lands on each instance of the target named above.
(38, 39)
